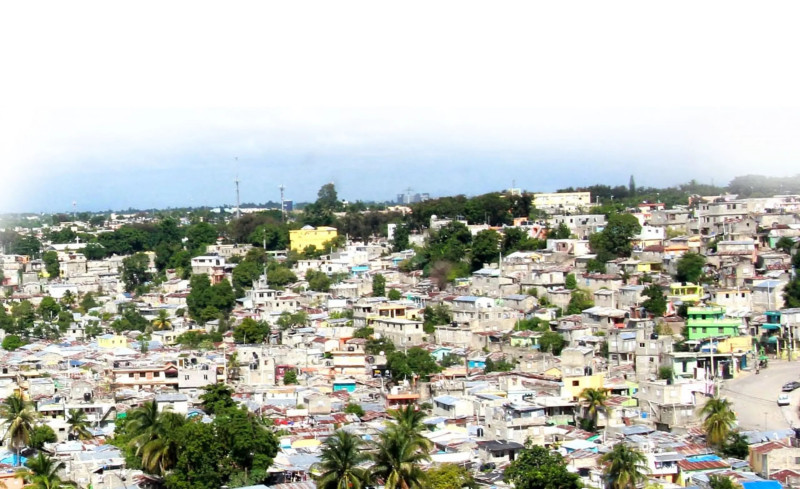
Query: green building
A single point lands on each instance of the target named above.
(710, 322)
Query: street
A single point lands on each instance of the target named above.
(754, 397)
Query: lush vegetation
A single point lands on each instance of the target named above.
(234, 449)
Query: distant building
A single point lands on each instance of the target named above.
(299, 239)
(562, 201)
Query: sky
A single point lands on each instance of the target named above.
(154, 104)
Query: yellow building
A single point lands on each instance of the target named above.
(111, 341)
(299, 239)
(685, 292)
(574, 386)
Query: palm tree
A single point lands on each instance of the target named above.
(625, 467)
(18, 417)
(397, 457)
(341, 455)
(160, 454)
(722, 482)
(595, 402)
(718, 420)
(42, 473)
(79, 425)
(162, 321)
(143, 424)
(408, 420)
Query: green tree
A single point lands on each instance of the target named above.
(378, 285)
(24, 318)
(79, 425)
(552, 342)
(417, 361)
(342, 454)
(791, 292)
(722, 482)
(736, 446)
(94, 251)
(718, 420)
(88, 302)
(376, 346)
(785, 244)
(26, 245)
(353, 408)
(18, 416)
(200, 295)
(397, 458)
(134, 271)
(625, 467)
(437, 315)
(395, 295)
(12, 342)
(49, 309)
(51, 264)
(615, 239)
(450, 243)
(162, 322)
(318, 281)
(499, 366)
(666, 373)
(594, 402)
(690, 267)
(656, 302)
(571, 283)
(485, 248)
(160, 454)
(579, 301)
(199, 459)
(560, 232)
(42, 434)
(251, 332)
(199, 235)
(279, 276)
(401, 238)
(245, 274)
(42, 473)
(217, 397)
(536, 467)
(450, 476)
(290, 377)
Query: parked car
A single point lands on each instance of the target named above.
(790, 386)
(783, 400)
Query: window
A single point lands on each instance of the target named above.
(130, 376)
(576, 383)
(641, 345)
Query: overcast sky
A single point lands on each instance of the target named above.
(151, 105)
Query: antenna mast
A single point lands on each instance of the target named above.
(283, 206)
(236, 181)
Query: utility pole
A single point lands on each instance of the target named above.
(283, 206)
(238, 212)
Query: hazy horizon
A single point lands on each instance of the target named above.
(114, 107)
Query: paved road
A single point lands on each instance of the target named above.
(754, 397)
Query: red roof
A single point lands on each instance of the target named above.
(767, 447)
(710, 465)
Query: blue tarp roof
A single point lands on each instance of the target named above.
(762, 485)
